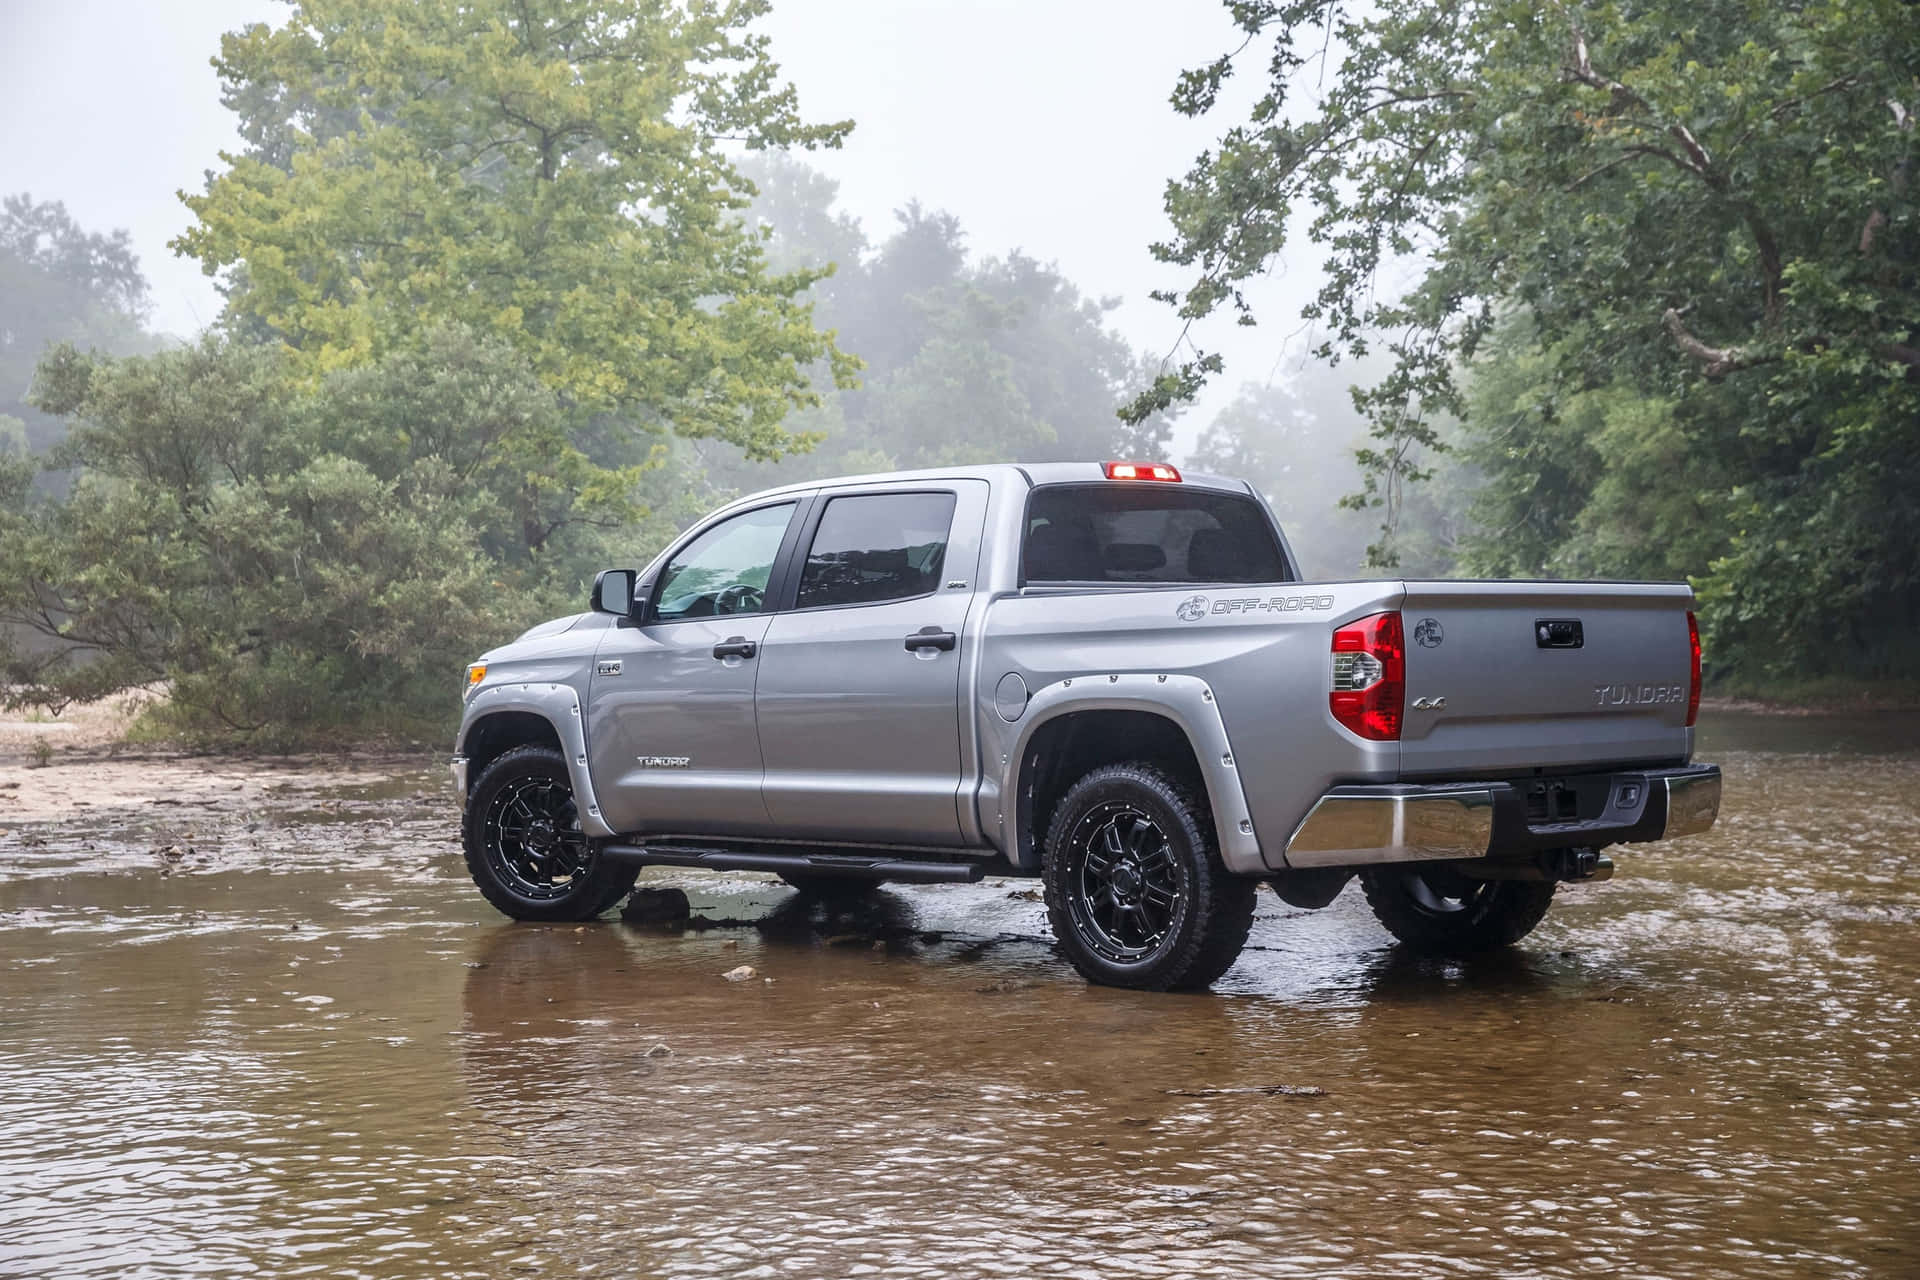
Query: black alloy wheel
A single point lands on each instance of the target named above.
(533, 838)
(1126, 893)
(1135, 890)
(524, 846)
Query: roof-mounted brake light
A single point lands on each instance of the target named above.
(1143, 471)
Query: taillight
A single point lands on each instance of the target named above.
(1370, 676)
(1693, 689)
(1142, 471)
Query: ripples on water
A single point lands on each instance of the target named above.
(309, 1049)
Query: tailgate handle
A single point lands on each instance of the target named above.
(1558, 633)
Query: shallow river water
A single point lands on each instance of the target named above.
(308, 1047)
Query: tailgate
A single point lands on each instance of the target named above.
(1544, 675)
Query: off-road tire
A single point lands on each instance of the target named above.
(596, 886)
(1437, 911)
(831, 888)
(1206, 926)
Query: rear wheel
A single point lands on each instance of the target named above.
(1435, 909)
(524, 846)
(1135, 889)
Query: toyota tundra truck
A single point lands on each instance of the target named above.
(1112, 677)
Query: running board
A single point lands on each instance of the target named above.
(854, 866)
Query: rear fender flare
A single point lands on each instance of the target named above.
(559, 706)
(1190, 703)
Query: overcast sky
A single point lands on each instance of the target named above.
(1042, 124)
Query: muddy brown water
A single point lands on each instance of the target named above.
(307, 1047)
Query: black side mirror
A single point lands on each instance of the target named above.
(613, 593)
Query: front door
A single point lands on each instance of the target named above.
(670, 709)
(859, 685)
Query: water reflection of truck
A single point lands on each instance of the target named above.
(1111, 677)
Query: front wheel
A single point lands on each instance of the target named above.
(1135, 890)
(524, 845)
(1436, 910)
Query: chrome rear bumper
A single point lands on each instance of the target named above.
(1405, 822)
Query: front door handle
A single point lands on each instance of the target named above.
(735, 647)
(932, 638)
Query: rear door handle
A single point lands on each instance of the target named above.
(932, 638)
(735, 647)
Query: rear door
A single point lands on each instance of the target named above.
(859, 690)
(1521, 676)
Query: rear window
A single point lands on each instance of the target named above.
(1122, 532)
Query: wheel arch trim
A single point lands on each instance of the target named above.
(559, 706)
(1190, 704)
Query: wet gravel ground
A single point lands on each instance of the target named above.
(280, 1034)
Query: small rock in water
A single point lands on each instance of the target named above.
(740, 974)
(660, 1051)
(656, 906)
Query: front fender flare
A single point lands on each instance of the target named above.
(1189, 703)
(559, 706)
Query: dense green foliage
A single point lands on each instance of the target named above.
(1696, 228)
(483, 262)
(549, 172)
(516, 288)
(483, 337)
(291, 561)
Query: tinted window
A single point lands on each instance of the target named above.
(1119, 532)
(725, 569)
(874, 547)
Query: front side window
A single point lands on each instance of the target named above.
(1148, 533)
(725, 569)
(875, 547)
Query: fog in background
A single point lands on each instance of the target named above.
(1042, 129)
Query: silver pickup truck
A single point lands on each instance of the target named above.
(1110, 676)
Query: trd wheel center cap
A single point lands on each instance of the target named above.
(1126, 881)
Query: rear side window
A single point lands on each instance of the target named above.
(1121, 532)
(875, 547)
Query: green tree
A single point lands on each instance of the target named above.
(1598, 481)
(967, 359)
(1295, 440)
(548, 172)
(60, 283)
(1708, 208)
(292, 561)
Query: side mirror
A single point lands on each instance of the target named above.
(613, 593)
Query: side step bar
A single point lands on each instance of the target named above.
(859, 866)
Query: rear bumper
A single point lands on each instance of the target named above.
(1409, 822)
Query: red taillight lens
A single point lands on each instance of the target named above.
(1693, 690)
(1370, 676)
(1142, 471)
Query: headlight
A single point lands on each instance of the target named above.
(476, 672)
